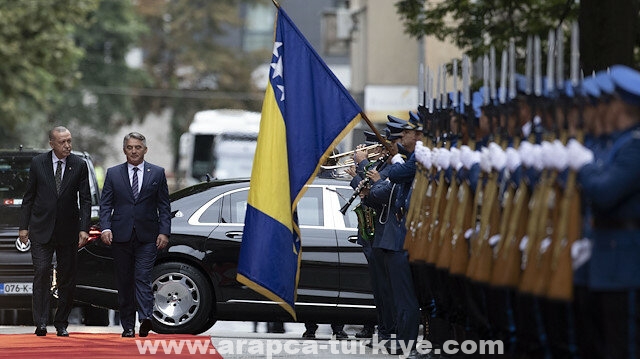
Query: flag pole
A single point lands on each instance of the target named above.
(275, 2)
(375, 131)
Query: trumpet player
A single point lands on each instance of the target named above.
(388, 250)
(376, 214)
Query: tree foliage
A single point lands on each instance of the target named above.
(99, 104)
(475, 25)
(187, 62)
(38, 57)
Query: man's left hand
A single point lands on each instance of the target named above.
(162, 241)
(83, 238)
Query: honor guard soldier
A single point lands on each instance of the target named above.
(612, 187)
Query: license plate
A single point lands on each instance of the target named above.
(16, 288)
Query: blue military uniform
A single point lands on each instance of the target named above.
(390, 246)
(612, 188)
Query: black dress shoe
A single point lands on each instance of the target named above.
(309, 335)
(41, 330)
(366, 332)
(341, 335)
(145, 327)
(62, 332)
(128, 333)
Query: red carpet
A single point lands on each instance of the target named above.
(105, 345)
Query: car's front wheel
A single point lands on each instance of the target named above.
(183, 299)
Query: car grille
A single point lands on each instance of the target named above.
(8, 240)
(12, 262)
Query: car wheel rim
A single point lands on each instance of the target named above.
(177, 299)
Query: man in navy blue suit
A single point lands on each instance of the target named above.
(136, 222)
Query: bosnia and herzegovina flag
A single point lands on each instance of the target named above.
(306, 112)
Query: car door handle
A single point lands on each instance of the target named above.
(234, 234)
(353, 239)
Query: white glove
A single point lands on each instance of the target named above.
(454, 160)
(513, 159)
(426, 158)
(443, 158)
(475, 155)
(498, 156)
(546, 154)
(578, 155)
(466, 156)
(485, 160)
(581, 252)
(397, 159)
(419, 153)
(537, 157)
(525, 151)
(559, 155)
(434, 156)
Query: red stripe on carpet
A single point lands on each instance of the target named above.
(105, 345)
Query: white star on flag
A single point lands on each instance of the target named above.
(277, 68)
(281, 88)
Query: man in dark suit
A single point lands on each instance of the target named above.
(56, 214)
(136, 221)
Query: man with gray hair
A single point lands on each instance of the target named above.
(136, 222)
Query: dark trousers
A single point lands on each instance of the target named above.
(618, 313)
(66, 258)
(588, 326)
(407, 310)
(133, 262)
(382, 295)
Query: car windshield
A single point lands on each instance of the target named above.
(14, 175)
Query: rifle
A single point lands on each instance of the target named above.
(542, 201)
(459, 244)
(423, 195)
(437, 214)
(445, 246)
(438, 207)
(506, 265)
(446, 230)
(561, 276)
(506, 271)
(561, 281)
(413, 216)
(481, 260)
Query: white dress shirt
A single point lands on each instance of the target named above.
(140, 174)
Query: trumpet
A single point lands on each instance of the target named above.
(336, 163)
(366, 148)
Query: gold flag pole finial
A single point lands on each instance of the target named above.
(275, 2)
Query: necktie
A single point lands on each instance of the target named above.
(58, 176)
(134, 182)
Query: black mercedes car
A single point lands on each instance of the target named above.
(194, 278)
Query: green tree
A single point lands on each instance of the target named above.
(99, 103)
(190, 68)
(609, 29)
(38, 58)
